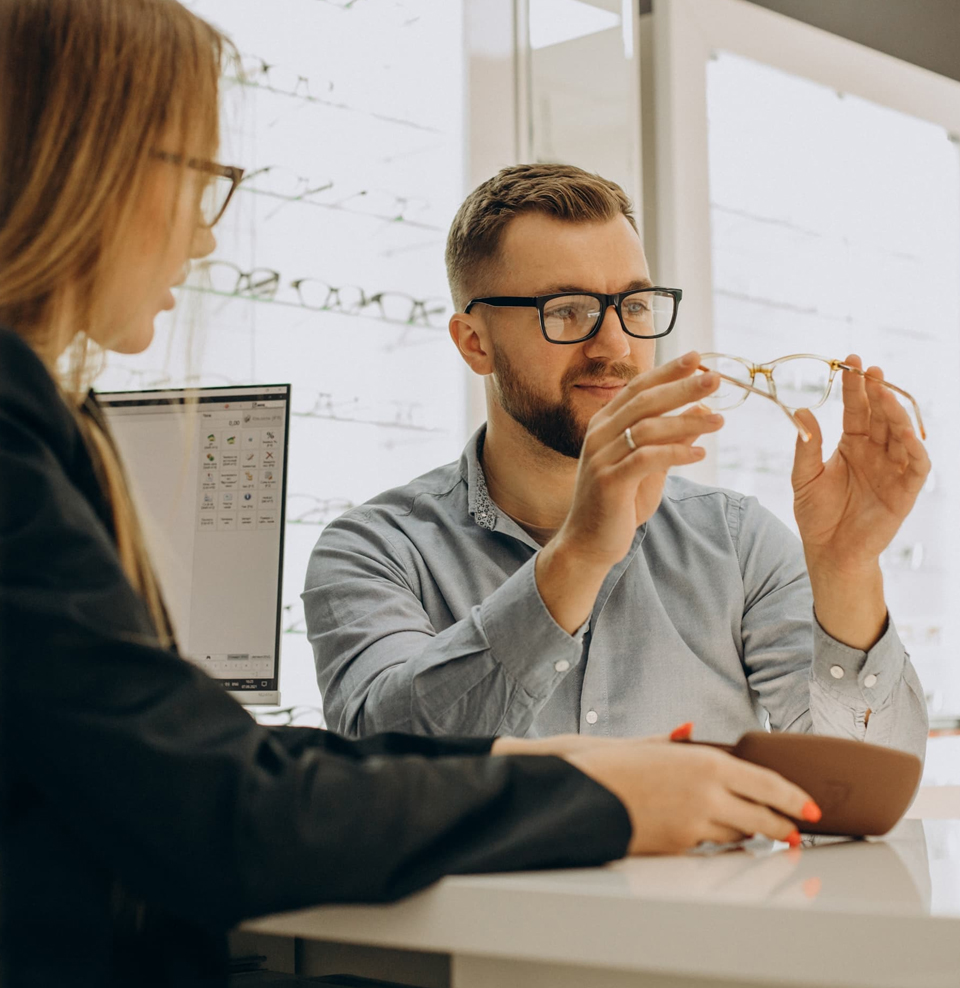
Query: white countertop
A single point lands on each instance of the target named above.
(880, 914)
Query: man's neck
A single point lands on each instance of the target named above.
(529, 482)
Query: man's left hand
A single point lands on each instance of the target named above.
(849, 508)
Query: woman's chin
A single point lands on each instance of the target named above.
(134, 341)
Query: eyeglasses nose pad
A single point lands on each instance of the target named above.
(771, 385)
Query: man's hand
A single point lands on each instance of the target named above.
(619, 488)
(678, 795)
(849, 508)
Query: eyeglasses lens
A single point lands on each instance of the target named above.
(214, 199)
(727, 395)
(802, 383)
(648, 314)
(570, 317)
(222, 277)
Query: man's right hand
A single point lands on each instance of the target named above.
(618, 489)
(678, 795)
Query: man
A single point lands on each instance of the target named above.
(556, 579)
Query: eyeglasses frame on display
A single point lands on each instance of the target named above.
(605, 301)
(767, 370)
(231, 172)
(271, 284)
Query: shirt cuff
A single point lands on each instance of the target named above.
(859, 678)
(525, 639)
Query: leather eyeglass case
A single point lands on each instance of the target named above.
(862, 789)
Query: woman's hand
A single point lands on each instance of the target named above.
(680, 795)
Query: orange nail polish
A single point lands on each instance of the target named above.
(811, 812)
(682, 733)
(794, 839)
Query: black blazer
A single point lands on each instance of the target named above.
(143, 810)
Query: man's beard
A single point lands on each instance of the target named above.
(554, 424)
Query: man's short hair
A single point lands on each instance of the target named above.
(562, 191)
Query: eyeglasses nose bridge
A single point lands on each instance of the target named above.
(605, 304)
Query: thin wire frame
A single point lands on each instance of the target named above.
(835, 365)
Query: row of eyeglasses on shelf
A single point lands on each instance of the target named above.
(226, 278)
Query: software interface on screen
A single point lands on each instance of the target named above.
(207, 470)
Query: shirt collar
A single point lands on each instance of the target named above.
(485, 512)
(479, 503)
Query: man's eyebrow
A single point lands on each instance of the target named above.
(633, 286)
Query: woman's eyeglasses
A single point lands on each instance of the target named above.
(801, 380)
(222, 182)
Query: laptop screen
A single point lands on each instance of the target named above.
(207, 470)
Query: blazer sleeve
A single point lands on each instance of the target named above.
(167, 781)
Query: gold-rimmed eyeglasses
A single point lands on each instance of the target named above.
(800, 380)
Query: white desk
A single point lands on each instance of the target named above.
(876, 914)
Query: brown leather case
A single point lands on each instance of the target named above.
(862, 789)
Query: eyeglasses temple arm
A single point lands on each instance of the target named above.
(899, 391)
(797, 424)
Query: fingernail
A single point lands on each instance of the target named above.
(688, 359)
(794, 839)
(811, 812)
(708, 380)
(698, 452)
(714, 419)
(682, 733)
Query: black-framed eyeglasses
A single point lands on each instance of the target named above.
(219, 190)
(645, 313)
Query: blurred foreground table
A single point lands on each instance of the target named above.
(860, 914)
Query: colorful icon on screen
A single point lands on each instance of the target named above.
(211, 458)
(211, 438)
(231, 440)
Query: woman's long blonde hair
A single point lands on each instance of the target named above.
(88, 90)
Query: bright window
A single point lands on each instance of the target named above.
(350, 126)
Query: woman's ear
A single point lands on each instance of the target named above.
(472, 340)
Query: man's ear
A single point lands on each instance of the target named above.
(472, 339)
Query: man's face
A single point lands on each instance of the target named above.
(554, 390)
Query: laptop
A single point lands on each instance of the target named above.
(207, 469)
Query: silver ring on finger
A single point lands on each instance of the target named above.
(628, 435)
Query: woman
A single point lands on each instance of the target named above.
(143, 810)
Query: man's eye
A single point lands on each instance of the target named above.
(636, 308)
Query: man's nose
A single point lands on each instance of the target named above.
(610, 340)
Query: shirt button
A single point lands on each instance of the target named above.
(562, 665)
(836, 672)
(592, 717)
(870, 681)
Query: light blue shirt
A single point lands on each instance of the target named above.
(424, 615)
